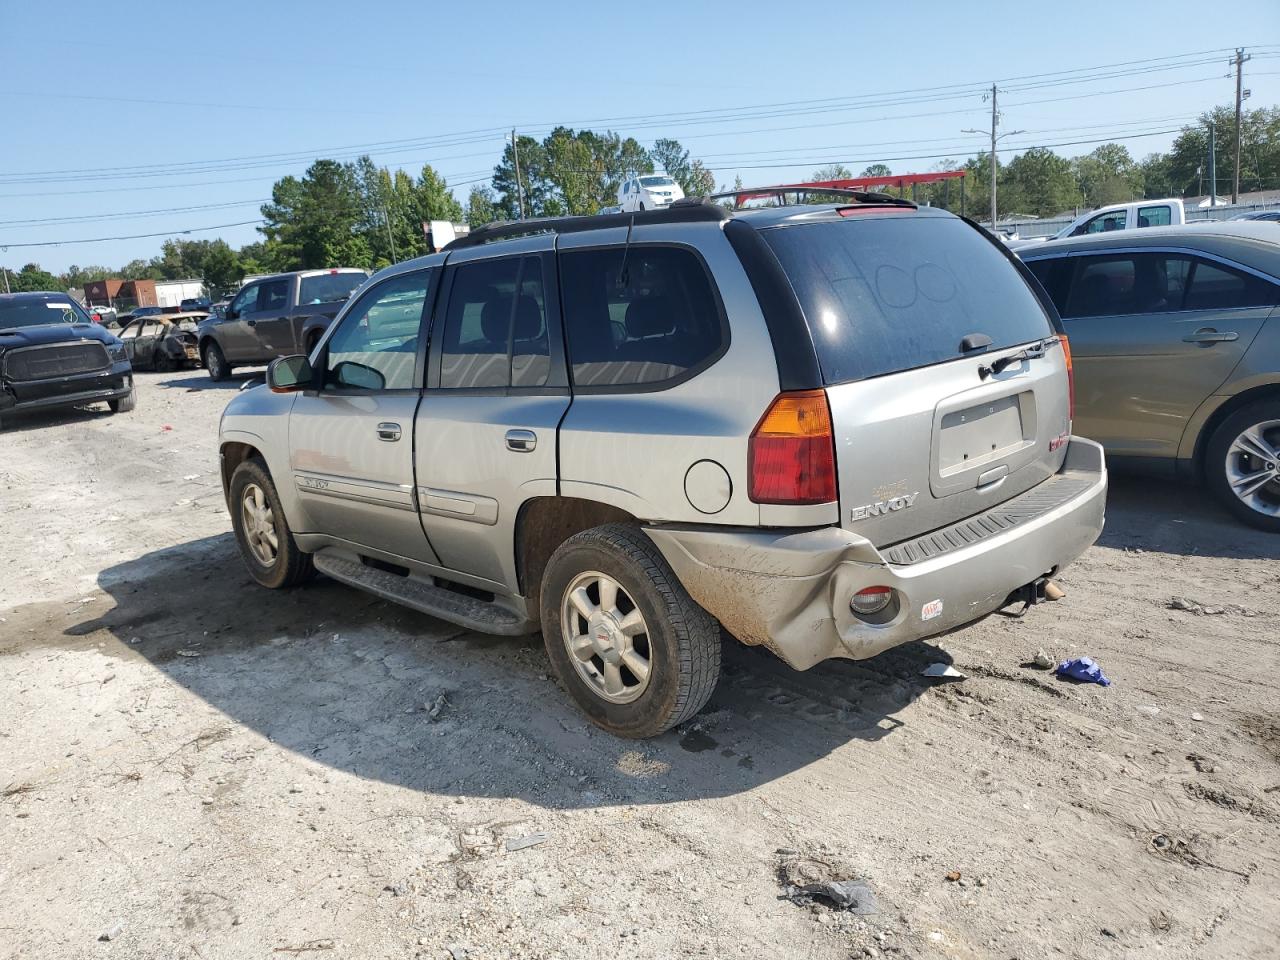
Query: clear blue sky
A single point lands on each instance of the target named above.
(80, 84)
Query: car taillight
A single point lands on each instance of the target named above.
(1071, 377)
(96, 317)
(791, 453)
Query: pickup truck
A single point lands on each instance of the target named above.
(1118, 216)
(275, 316)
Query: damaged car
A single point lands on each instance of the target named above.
(53, 355)
(164, 342)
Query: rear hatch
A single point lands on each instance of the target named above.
(909, 312)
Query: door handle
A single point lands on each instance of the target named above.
(1209, 335)
(389, 432)
(522, 441)
(252, 323)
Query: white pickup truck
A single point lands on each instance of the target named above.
(1118, 216)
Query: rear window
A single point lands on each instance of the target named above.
(329, 287)
(897, 293)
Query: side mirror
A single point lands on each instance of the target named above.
(289, 374)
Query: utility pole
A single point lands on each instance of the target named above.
(386, 218)
(515, 153)
(1213, 167)
(1239, 62)
(995, 119)
(6, 278)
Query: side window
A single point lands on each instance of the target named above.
(245, 301)
(495, 329)
(273, 295)
(150, 329)
(131, 331)
(1053, 274)
(1123, 284)
(1215, 287)
(1103, 223)
(649, 320)
(1157, 216)
(376, 346)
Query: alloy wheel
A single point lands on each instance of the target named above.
(1253, 467)
(606, 636)
(259, 524)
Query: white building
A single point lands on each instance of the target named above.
(171, 293)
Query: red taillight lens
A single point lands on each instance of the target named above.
(1071, 377)
(870, 600)
(791, 453)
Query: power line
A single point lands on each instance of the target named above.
(135, 236)
(93, 218)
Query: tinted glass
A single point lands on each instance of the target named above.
(1158, 216)
(530, 356)
(1215, 287)
(1128, 283)
(242, 302)
(893, 293)
(657, 181)
(377, 344)
(33, 312)
(273, 295)
(477, 325)
(329, 287)
(653, 321)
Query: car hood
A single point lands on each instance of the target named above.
(54, 333)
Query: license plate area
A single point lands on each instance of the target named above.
(972, 438)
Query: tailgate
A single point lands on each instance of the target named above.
(923, 448)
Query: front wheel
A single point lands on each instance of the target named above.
(632, 647)
(1242, 464)
(125, 404)
(262, 533)
(215, 362)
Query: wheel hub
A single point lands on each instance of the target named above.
(1251, 466)
(606, 637)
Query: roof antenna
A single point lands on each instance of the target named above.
(624, 278)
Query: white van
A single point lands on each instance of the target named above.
(651, 191)
(1118, 216)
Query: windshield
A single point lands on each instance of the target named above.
(34, 313)
(895, 293)
(657, 182)
(328, 287)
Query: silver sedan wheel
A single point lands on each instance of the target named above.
(1253, 467)
(259, 524)
(606, 636)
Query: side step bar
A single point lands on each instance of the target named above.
(479, 615)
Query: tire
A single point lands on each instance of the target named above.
(215, 362)
(161, 362)
(125, 404)
(1226, 460)
(680, 640)
(274, 566)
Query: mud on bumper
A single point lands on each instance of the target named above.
(790, 590)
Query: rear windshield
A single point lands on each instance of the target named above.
(34, 313)
(888, 294)
(328, 287)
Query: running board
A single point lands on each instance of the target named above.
(479, 615)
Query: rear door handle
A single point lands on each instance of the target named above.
(252, 323)
(521, 441)
(1209, 335)
(389, 432)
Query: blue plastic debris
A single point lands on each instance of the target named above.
(1084, 669)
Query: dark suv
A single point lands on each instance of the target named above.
(53, 355)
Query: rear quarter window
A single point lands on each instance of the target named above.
(895, 293)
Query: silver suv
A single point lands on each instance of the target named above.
(825, 429)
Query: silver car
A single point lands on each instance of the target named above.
(827, 430)
(1176, 339)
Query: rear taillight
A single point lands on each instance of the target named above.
(96, 317)
(1071, 377)
(791, 453)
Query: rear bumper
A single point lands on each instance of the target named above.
(790, 590)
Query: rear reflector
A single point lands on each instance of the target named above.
(870, 600)
(1071, 378)
(791, 453)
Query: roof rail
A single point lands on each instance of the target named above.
(508, 229)
(780, 193)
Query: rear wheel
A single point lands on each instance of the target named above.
(124, 404)
(262, 533)
(632, 647)
(1242, 464)
(216, 362)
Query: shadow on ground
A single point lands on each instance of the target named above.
(349, 680)
(1163, 515)
(195, 380)
(27, 420)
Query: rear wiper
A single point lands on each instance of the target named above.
(999, 366)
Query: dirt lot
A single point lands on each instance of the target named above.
(196, 767)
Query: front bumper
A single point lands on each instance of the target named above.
(113, 383)
(790, 590)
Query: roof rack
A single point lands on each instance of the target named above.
(705, 209)
(507, 229)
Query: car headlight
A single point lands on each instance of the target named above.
(116, 352)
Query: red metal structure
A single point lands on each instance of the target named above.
(899, 180)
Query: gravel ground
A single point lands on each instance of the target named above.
(194, 767)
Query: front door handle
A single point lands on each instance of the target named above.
(522, 441)
(389, 432)
(1209, 335)
(252, 323)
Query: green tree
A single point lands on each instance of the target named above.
(31, 279)
(314, 222)
(1188, 158)
(533, 182)
(222, 270)
(877, 170)
(832, 171)
(694, 178)
(79, 276)
(1108, 175)
(1038, 182)
(481, 207)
